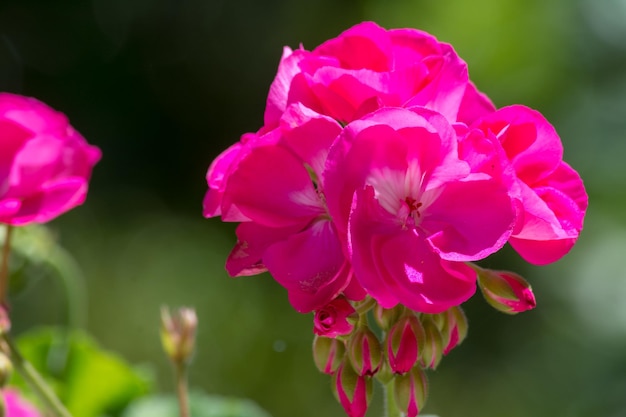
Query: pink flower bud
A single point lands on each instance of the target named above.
(506, 291)
(365, 352)
(353, 391)
(453, 328)
(431, 353)
(328, 354)
(404, 342)
(410, 391)
(332, 319)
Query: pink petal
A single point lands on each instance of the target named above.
(38, 161)
(13, 138)
(216, 177)
(529, 140)
(33, 114)
(51, 201)
(365, 45)
(272, 187)
(553, 217)
(310, 265)
(309, 135)
(246, 258)
(342, 93)
(445, 86)
(8, 208)
(474, 105)
(290, 85)
(462, 227)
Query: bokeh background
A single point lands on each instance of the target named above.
(162, 86)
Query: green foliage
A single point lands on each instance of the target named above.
(91, 382)
(200, 405)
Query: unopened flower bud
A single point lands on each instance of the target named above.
(178, 333)
(506, 291)
(6, 370)
(453, 329)
(335, 318)
(404, 342)
(386, 317)
(353, 391)
(410, 391)
(431, 353)
(365, 352)
(328, 353)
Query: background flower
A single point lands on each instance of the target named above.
(45, 164)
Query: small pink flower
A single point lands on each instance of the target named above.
(506, 291)
(45, 164)
(16, 406)
(332, 319)
(410, 211)
(551, 193)
(368, 67)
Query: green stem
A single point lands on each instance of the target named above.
(364, 306)
(36, 382)
(180, 369)
(391, 408)
(4, 266)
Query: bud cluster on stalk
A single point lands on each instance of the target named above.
(396, 347)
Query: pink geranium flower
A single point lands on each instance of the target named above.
(551, 193)
(410, 211)
(45, 164)
(368, 67)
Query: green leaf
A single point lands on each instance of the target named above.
(200, 405)
(88, 380)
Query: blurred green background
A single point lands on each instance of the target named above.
(162, 86)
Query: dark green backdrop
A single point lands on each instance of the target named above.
(162, 86)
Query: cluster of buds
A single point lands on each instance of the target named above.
(396, 351)
(401, 344)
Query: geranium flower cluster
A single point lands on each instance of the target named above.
(381, 172)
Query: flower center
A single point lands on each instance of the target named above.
(410, 212)
(413, 206)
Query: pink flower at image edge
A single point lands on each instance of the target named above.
(16, 406)
(45, 164)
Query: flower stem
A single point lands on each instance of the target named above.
(181, 388)
(391, 408)
(32, 377)
(4, 266)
